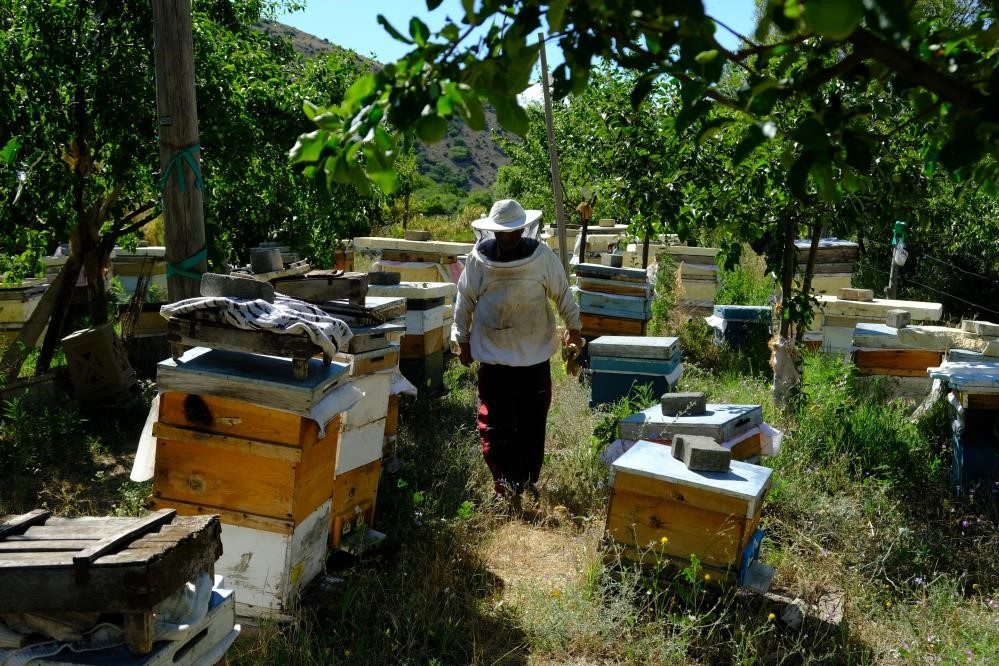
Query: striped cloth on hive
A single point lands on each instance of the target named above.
(285, 315)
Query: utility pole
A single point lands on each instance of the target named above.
(553, 158)
(898, 257)
(180, 160)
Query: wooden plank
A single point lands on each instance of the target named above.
(636, 275)
(369, 362)
(418, 290)
(87, 556)
(203, 333)
(830, 268)
(355, 493)
(116, 583)
(360, 446)
(227, 517)
(413, 255)
(891, 372)
(232, 418)
(237, 445)
(392, 416)
(187, 472)
(368, 338)
(442, 247)
(920, 310)
(721, 421)
(897, 359)
(19, 524)
(692, 251)
(314, 477)
(139, 632)
(597, 325)
(637, 305)
(942, 338)
(981, 400)
(41, 546)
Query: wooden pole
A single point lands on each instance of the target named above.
(180, 159)
(553, 158)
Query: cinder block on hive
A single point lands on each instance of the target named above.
(701, 454)
(231, 286)
(853, 294)
(685, 404)
(898, 318)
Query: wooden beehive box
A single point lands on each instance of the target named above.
(103, 565)
(720, 421)
(255, 466)
(17, 303)
(362, 433)
(355, 494)
(712, 515)
(614, 305)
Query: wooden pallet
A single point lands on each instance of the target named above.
(203, 332)
(104, 565)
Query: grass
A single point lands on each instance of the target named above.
(860, 504)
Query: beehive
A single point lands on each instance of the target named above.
(711, 515)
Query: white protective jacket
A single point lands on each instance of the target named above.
(502, 308)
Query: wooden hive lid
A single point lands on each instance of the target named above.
(969, 376)
(655, 461)
(414, 290)
(635, 346)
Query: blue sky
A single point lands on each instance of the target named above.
(353, 24)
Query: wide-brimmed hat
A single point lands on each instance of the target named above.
(507, 215)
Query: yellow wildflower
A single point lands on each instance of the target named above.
(664, 541)
(707, 576)
(771, 617)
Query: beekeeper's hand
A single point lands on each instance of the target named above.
(465, 353)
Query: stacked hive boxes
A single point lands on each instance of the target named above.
(598, 238)
(836, 318)
(415, 261)
(878, 353)
(660, 509)
(739, 325)
(974, 400)
(239, 436)
(619, 363)
(128, 266)
(429, 313)
(696, 276)
(613, 301)
(835, 261)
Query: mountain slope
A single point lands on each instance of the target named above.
(464, 158)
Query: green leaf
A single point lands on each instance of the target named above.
(390, 29)
(835, 19)
(512, 117)
(431, 128)
(556, 14)
(450, 32)
(711, 128)
(359, 90)
(690, 113)
(433, 4)
(310, 110)
(752, 138)
(419, 31)
(704, 57)
(307, 148)
(9, 151)
(472, 111)
(643, 86)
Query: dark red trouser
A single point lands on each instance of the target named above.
(513, 412)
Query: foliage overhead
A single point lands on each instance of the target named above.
(944, 70)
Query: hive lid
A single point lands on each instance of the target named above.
(656, 461)
(635, 346)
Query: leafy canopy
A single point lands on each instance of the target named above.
(944, 70)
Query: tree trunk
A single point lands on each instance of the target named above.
(180, 158)
(806, 285)
(785, 359)
(62, 296)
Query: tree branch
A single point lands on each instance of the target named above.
(917, 71)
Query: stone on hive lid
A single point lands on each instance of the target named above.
(897, 318)
(230, 286)
(852, 294)
(701, 454)
(688, 404)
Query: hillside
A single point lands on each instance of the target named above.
(465, 158)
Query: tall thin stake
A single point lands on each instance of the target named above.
(553, 158)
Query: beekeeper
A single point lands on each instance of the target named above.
(502, 319)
